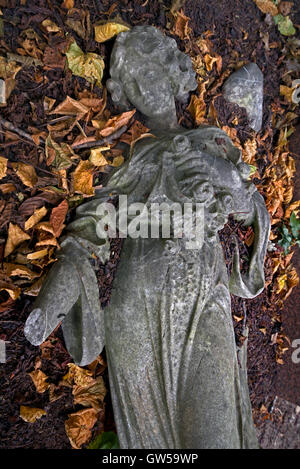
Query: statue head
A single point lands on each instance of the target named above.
(149, 71)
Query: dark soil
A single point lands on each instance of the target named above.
(238, 27)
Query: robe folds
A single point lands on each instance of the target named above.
(175, 377)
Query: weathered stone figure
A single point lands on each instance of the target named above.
(174, 375)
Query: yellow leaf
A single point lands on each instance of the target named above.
(286, 92)
(78, 426)
(197, 109)
(40, 380)
(38, 254)
(96, 157)
(26, 173)
(38, 214)
(78, 375)
(267, 6)
(89, 66)
(90, 395)
(118, 161)
(83, 178)
(15, 237)
(3, 167)
(104, 32)
(31, 414)
(281, 282)
(50, 26)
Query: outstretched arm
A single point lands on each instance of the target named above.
(70, 292)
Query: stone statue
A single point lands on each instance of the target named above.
(175, 378)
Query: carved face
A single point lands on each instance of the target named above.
(149, 89)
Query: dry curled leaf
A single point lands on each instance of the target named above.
(78, 426)
(15, 237)
(104, 32)
(267, 6)
(31, 414)
(26, 173)
(36, 217)
(3, 167)
(58, 216)
(116, 122)
(197, 108)
(40, 380)
(97, 158)
(77, 375)
(181, 27)
(83, 178)
(18, 270)
(91, 394)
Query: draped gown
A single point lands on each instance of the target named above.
(175, 377)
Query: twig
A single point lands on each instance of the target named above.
(9, 126)
(97, 143)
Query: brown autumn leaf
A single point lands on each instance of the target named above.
(58, 216)
(15, 237)
(77, 375)
(91, 394)
(267, 6)
(35, 218)
(285, 8)
(181, 27)
(104, 32)
(13, 291)
(116, 122)
(37, 254)
(197, 108)
(3, 166)
(26, 173)
(19, 270)
(78, 426)
(71, 107)
(83, 179)
(50, 26)
(210, 60)
(39, 380)
(34, 289)
(31, 414)
(68, 4)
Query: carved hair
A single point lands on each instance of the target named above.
(144, 44)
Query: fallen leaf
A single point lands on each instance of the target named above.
(267, 6)
(26, 173)
(181, 27)
(116, 122)
(40, 380)
(104, 32)
(97, 158)
(83, 178)
(19, 270)
(37, 216)
(89, 66)
(15, 237)
(197, 108)
(68, 4)
(77, 375)
(71, 107)
(58, 216)
(50, 26)
(90, 395)
(285, 25)
(31, 414)
(58, 155)
(3, 166)
(78, 426)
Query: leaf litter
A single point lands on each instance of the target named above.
(53, 153)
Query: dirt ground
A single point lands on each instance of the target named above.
(238, 32)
